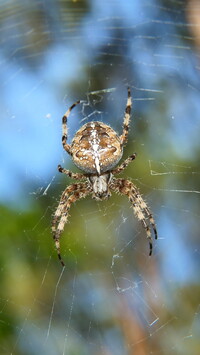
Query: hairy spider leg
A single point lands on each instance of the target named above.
(78, 191)
(67, 146)
(126, 187)
(147, 211)
(127, 115)
(75, 176)
(66, 193)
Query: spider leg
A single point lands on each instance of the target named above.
(66, 193)
(127, 115)
(76, 176)
(147, 211)
(122, 166)
(126, 187)
(67, 146)
(71, 194)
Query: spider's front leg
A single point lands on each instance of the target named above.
(71, 194)
(127, 116)
(67, 146)
(140, 208)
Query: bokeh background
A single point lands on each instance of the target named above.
(111, 298)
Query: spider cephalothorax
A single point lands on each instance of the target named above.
(96, 149)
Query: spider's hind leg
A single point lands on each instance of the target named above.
(139, 212)
(71, 194)
(126, 187)
(148, 213)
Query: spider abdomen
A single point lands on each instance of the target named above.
(96, 148)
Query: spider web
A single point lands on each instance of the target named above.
(111, 298)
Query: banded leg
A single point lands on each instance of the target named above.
(147, 211)
(126, 187)
(66, 193)
(76, 176)
(78, 191)
(67, 146)
(122, 166)
(127, 115)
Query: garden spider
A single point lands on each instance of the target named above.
(96, 149)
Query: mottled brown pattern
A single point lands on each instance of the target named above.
(109, 147)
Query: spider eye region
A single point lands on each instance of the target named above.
(96, 148)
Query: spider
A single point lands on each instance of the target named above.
(96, 149)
